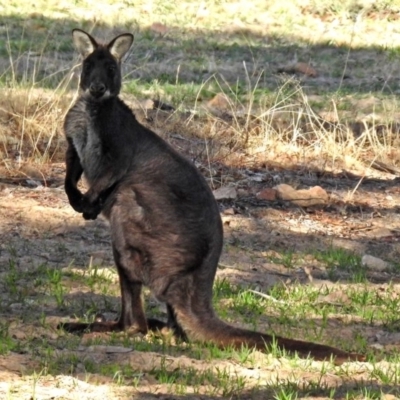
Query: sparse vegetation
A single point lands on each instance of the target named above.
(308, 282)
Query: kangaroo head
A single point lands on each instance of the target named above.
(101, 67)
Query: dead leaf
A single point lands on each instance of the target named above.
(220, 101)
(159, 27)
(299, 68)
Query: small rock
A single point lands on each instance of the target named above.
(109, 316)
(389, 338)
(374, 263)
(299, 68)
(118, 349)
(377, 346)
(267, 194)
(257, 177)
(32, 183)
(303, 197)
(380, 232)
(226, 219)
(152, 104)
(229, 211)
(19, 335)
(225, 192)
(285, 192)
(220, 101)
(108, 349)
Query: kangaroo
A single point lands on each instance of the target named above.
(166, 228)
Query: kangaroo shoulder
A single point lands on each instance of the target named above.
(124, 108)
(78, 110)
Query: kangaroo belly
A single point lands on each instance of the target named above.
(170, 237)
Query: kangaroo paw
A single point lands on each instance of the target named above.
(101, 325)
(155, 324)
(91, 210)
(80, 327)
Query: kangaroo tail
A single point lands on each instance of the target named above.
(222, 334)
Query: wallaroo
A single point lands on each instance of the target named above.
(166, 228)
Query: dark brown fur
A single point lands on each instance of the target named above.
(165, 224)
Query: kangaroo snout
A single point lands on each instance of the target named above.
(97, 89)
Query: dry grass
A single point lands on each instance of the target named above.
(294, 123)
(288, 132)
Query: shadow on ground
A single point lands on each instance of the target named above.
(43, 47)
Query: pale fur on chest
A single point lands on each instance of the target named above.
(81, 129)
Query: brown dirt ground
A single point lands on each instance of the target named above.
(39, 227)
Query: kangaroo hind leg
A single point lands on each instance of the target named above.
(174, 325)
(132, 315)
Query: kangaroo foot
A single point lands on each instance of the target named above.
(101, 325)
(177, 331)
(155, 325)
(97, 326)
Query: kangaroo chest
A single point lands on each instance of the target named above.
(92, 153)
(81, 128)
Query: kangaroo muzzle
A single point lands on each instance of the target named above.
(97, 89)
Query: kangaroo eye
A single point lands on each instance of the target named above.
(111, 68)
(87, 67)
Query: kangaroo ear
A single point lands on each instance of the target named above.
(120, 45)
(83, 42)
